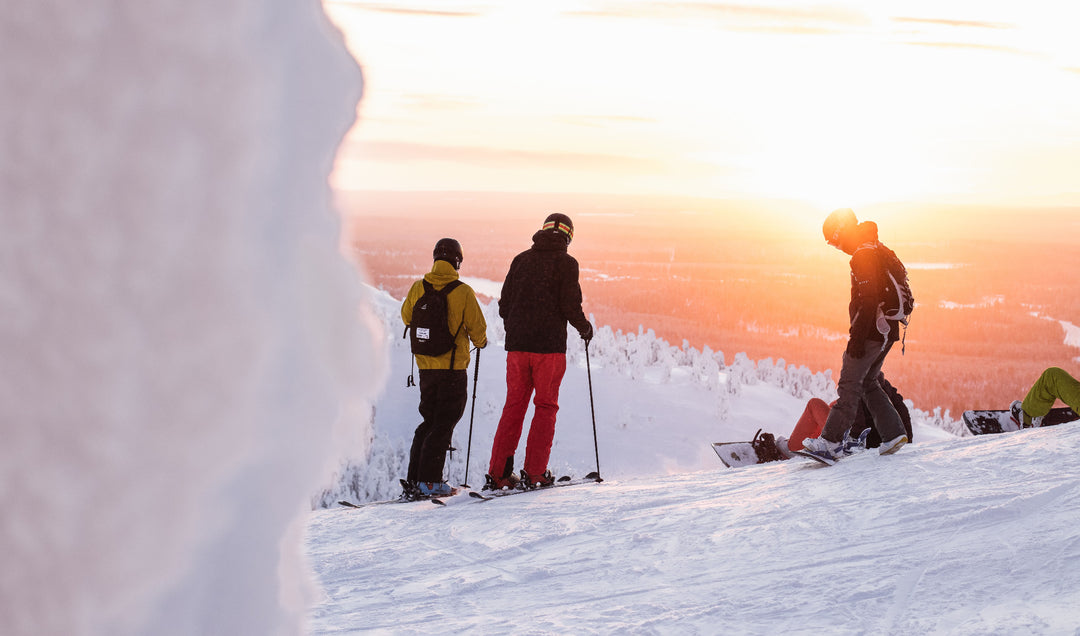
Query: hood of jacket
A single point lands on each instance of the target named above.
(441, 273)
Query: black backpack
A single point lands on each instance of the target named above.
(899, 302)
(429, 333)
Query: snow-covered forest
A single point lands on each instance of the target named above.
(658, 406)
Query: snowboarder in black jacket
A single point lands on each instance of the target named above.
(870, 338)
(540, 295)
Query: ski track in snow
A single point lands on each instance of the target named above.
(954, 536)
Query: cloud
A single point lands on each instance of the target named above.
(386, 8)
(926, 26)
(741, 17)
(401, 151)
(485, 157)
(599, 121)
(432, 102)
(972, 46)
(976, 24)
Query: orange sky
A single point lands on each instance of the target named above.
(845, 103)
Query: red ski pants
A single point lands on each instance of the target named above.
(526, 373)
(810, 424)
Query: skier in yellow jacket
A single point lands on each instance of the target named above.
(444, 377)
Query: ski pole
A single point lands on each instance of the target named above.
(468, 448)
(592, 410)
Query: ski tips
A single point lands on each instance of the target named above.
(347, 504)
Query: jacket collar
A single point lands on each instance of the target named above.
(549, 241)
(441, 273)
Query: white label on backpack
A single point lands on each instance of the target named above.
(423, 333)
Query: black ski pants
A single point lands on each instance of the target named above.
(443, 394)
(859, 384)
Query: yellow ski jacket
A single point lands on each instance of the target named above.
(463, 311)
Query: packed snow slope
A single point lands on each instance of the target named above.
(952, 535)
(957, 536)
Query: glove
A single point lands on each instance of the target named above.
(587, 333)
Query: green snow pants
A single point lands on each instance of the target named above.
(1053, 384)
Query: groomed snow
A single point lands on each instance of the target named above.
(952, 535)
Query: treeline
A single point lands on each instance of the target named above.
(985, 325)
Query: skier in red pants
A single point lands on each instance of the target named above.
(540, 295)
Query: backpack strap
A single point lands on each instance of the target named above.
(445, 291)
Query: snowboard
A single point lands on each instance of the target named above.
(987, 422)
(761, 450)
(809, 455)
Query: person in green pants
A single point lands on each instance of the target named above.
(1054, 384)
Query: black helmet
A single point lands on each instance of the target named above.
(559, 224)
(448, 250)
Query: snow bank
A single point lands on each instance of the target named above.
(178, 329)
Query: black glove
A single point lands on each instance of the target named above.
(856, 348)
(586, 333)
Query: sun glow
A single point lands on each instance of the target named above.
(849, 105)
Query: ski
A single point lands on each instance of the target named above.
(561, 482)
(400, 500)
(408, 495)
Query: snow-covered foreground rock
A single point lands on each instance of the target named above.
(950, 536)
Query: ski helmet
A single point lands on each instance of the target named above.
(448, 250)
(836, 222)
(557, 223)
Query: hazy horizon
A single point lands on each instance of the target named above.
(740, 279)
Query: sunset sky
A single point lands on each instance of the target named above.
(837, 103)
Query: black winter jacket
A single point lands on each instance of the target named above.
(868, 279)
(540, 295)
